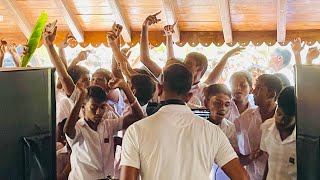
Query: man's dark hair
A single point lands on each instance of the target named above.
(200, 59)
(144, 86)
(105, 73)
(246, 74)
(76, 72)
(283, 78)
(216, 89)
(272, 82)
(177, 78)
(286, 55)
(287, 101)
(96, 93)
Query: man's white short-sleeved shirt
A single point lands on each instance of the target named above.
(175, 144)
(282, 160)
(92, 154)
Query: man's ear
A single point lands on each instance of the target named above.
(206, 103)
(160, 89)
(280, 60)
(271, 94)
(189, 96)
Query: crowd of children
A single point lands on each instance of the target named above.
(250, 133)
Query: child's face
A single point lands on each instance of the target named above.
(94, 110)
(219, 105)
(240, 88)
(284, 121)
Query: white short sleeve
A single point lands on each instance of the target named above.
(76, 138)
(130, 149)
(225, 152)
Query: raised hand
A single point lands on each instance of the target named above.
(117, 29)
(81, 88)
(12, 49)
(49, 33)
(235, 51)
(117, 83)
(111, 36)
(65, 42)
(82, 55)
(169, 29)
(312, 54)
(152, 19)
(297, 46)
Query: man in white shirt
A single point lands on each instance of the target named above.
(279, 139)
(174, 143)
(248, 124)
(91, 137)
(218, 98)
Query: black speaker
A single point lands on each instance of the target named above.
(308, 121)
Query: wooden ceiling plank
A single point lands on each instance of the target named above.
(281, 20)
(225, 20)
(71, 19)
(21, 20)
(170, 7)
(120, 19)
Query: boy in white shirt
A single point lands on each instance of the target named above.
(91, 137)
(218, 99)
(279, 139)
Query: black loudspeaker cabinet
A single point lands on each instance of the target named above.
(27, 131)
(308, 121)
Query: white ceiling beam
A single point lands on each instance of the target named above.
(21, 20)
(281, 20)
(71, 19)
(170, 7)
(225, 20)
(120, 19)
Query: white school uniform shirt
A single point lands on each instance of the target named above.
(282, 162)
(249, 137)
(234, 112)
(229, 129)
(175, 144)
(92, 154)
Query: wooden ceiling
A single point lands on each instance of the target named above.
(198, 20)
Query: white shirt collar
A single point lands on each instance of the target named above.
(289, 139)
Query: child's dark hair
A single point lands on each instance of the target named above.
(144, 86)
(216, 89)
(287, 101)
(97, 93)
(76, 72)
(246, 74)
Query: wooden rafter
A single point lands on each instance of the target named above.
(225, 20)
(281, 20)
(120, 19)
(71, 19)
(21, 20)
(170, 9)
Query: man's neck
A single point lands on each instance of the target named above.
(167, 95)
(284, 134)
(92, 125)
(267, 110)
(242, 105)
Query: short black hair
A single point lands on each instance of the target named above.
(97, 93)
(177, 78)
(216, 89)
(105, 73)
(287, 101)
(283, 78)
(246, 74)
(200, 59)
(144, 86)
(272, 82)
(286, 55)
(76, 71)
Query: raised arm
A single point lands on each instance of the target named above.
(81, 57)
(169, 30)
(12, 49)
(297, 47)
(312, 54)
(63, 44)
(69, 127)
(115, 66)
(217, 71)
(136, 111)
(119, 57)
(144, 45)
(49, 36)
